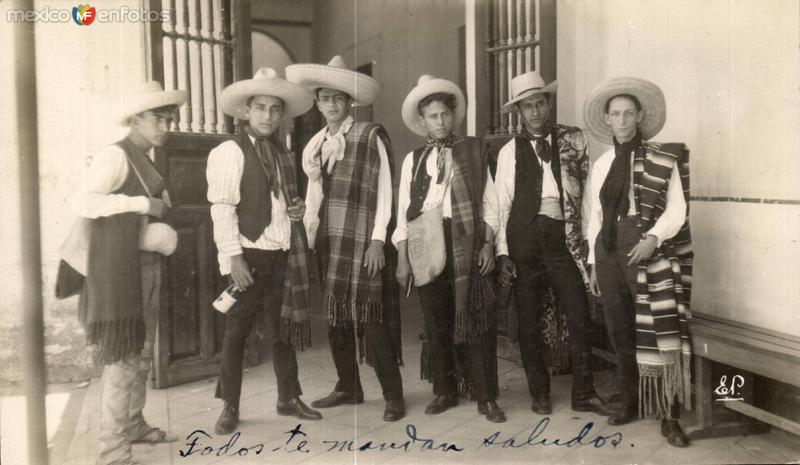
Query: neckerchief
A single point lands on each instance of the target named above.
(541, 145)
(440, 145)
(266, 153)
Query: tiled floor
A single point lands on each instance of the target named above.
(187, 408)
(73, 418)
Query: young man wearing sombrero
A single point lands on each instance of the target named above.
(540, 183)
(348, 220)
(446, 211)
(123, 194)
(260, 237)
(640, 248)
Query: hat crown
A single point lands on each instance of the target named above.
(265, 73)
(525, 82)
(425, 78)
(338, 62)
(148, 87)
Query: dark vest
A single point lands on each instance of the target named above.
(113, 280)
(528, 195)
(418, 189)
(255, 201)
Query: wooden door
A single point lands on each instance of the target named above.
(189, 337)
(201, 47)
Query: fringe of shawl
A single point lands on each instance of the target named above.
(297, 333)
(470, 326)
(660, 386)
(341, 312)
(116, 340)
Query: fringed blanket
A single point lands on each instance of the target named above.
(663, 347)
(350, 295)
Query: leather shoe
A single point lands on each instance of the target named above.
(395, 410)
(440, 404)
(228, 419)
(337, 398)
(297, 408)
(672, 430)
(492, 411)
(541, 405)
(622, 418)
(593, 404)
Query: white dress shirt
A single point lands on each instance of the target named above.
(491, 213)
(667, 225)
(106, 172)
(224, 174)
(438, 194)
(332, 148)
(505, 182)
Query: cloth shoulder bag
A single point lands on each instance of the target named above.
(74, 253)
(426, 243)
(426, 247)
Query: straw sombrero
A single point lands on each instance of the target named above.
(336, 75)
(649, 95)
(427, 85)
(296, 100)
(147, 96)
(527, 84)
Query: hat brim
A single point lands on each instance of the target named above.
(144, 102)
(362, 88)
(548, 89)
(411, 114)
(650, 96)
(296, 100)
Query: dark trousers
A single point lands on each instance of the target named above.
(266, 294)
(438, 308)
(617, 281)
(378, 343)
(551, 259)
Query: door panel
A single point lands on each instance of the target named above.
(202, 61)
(189, 329)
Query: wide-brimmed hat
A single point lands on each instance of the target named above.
(527, 84)
(336, 75)
(427, 85)
(649, 95)
(147, 96)
(296, 100)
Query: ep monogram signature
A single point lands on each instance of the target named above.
(729, 390)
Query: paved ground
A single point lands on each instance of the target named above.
(183, 409)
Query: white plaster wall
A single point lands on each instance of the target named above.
(403, 39)
(78, 69)
(730, 71)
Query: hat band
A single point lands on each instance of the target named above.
(529, 89)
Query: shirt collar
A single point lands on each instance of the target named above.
(546, 137)
(343, 129)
